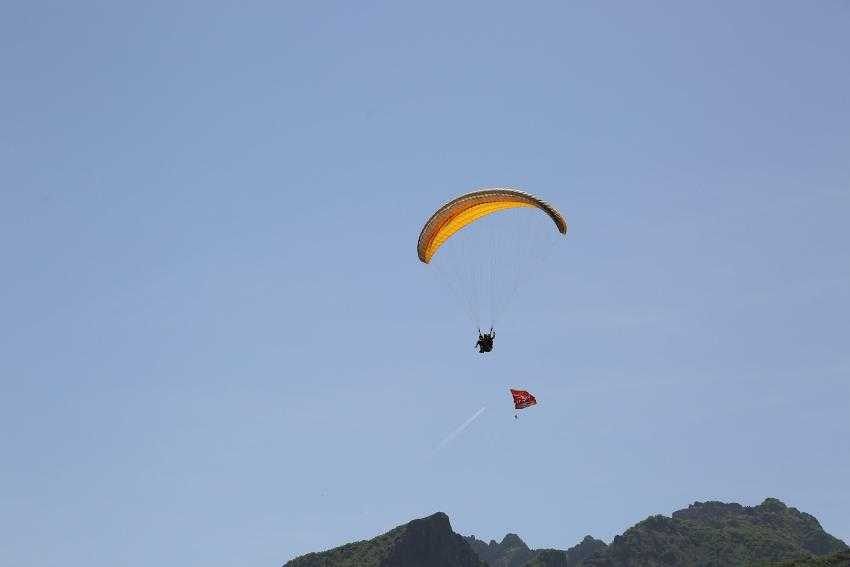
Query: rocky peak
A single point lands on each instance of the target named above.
(510, 552)
(512, 541)
(423, 542)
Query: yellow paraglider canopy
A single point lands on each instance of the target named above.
(466, 209)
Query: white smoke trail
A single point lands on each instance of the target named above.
(450, 437)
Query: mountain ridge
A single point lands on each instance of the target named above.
(705, 534)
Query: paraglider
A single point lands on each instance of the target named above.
(485, 341)
(522, 400)
(483, 257)
(466, 209)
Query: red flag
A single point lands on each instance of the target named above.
(522, 399)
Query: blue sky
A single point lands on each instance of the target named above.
(197, 197)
